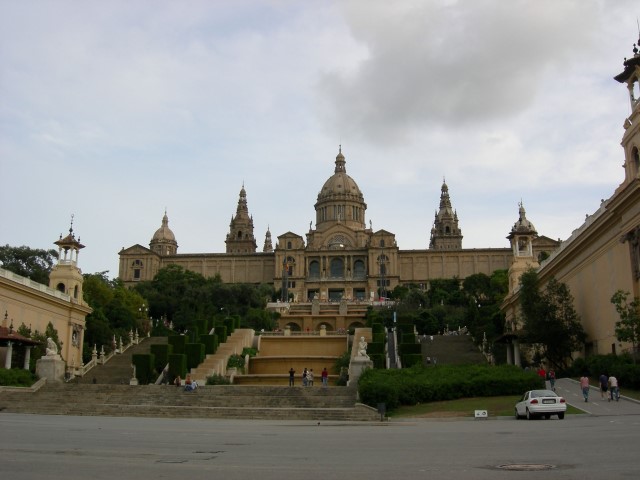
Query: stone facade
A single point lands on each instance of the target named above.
(35, 305)
(603, 254)
(342, 257)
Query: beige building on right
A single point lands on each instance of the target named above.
(601, 256)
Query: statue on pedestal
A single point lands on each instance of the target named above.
(362, 348)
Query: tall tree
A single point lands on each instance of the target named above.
(32, 263)
(550, 319)
(628, 327)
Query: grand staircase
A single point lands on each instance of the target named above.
(166, 401)
(451, 350)
(105, 390)
(118, 370)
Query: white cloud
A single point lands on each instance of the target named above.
(135, 107)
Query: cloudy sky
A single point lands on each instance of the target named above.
(114, 111)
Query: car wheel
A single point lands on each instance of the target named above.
(547, 417)
(529, 415)
(561, 415)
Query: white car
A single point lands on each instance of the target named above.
(540, 403)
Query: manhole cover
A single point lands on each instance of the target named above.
(527, 467)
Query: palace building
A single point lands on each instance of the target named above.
(341, 258)
(600, 257)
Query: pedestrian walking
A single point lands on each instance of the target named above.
(292, 376)
(604, 385)
(584, 386)
(614, 390)
(325, 377)
(310, 377)
(552, 379)
(305, 380)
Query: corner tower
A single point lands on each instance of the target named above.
(521, 238)
(631, 138)
(240, 238)
(445, 234)
(65, 276)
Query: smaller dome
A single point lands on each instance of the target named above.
(523, 225)
(164, 233)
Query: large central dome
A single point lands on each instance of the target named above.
(340, 183)
(340, 199)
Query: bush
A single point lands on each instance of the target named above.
(218, 380)
(621, 366)
(210, 343)
(420, 384)
(236, 361)
(17, 377)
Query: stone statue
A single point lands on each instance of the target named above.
(52, 348)
(362, 348)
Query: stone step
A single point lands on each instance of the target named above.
(220, 401)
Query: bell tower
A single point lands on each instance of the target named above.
(631, 138)
(521, 238)
(65, 276)
(445, 234)
(240, 238)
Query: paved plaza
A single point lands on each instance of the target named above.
(595, 445)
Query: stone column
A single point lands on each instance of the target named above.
(509, 354)
(7, 360)
(27, 357)
(516, 353)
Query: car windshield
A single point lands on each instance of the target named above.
(542, 393)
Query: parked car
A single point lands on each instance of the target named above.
(540, 403)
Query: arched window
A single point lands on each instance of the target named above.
(337, 268)
(314, 268)
(60, 287)
(358, 269)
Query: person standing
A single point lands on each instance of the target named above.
(325, 377)
(552, 379)
(292, 376)
(614, 391)
(305, 380)
(584, 386)
(310, 377)
(604, 385)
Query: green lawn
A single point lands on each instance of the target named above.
(465, 407)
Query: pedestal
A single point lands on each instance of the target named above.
(51, 368)
(357, 366)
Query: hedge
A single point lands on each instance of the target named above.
(410, 348)
(161, 353)
(418, 384)
(177, 342)
(195, 354)
(621, 366)
(379, 360)
(377, 328)
(221, 333)
(145, 367)
(177, 365)
(210, 343)
(375, 348)
(411, 359)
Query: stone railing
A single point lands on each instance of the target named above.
(103, 357)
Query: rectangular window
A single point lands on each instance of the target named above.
(136, 274)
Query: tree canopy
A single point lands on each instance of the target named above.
(33, 263)
(550, 320)
(628, 327)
